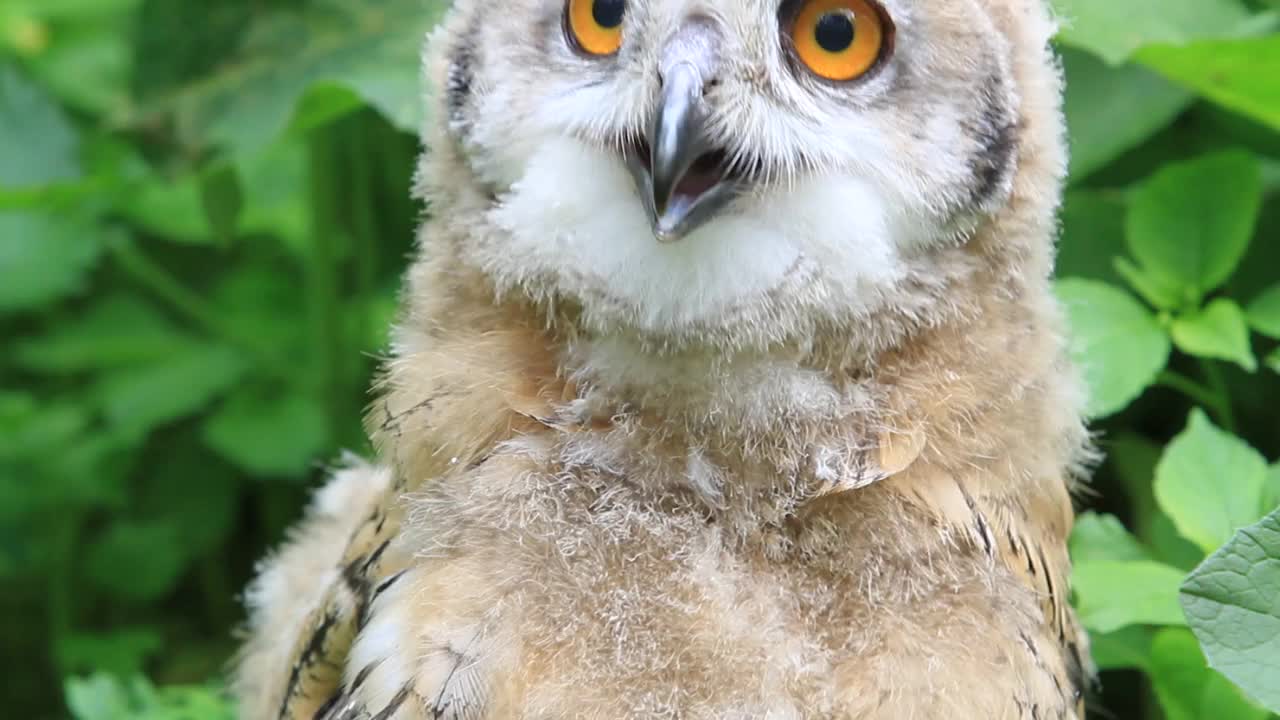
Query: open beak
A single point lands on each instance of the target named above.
(682, 178)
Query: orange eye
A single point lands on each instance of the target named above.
(596, 25)
(839, 39)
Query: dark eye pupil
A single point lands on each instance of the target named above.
(834, 31)
(608, 13)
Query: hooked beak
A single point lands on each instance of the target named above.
(682, 178)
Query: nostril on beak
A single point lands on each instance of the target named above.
(697, 42)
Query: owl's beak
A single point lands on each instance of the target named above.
(681, 176)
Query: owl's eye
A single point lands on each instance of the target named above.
(595, 26)
(839, 40)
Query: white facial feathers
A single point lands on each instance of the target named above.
(847, 188)
(573, 220)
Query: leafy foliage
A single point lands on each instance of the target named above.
(1209, 482)
(102, 697)
(199, 256)
(1233, 602)
(201, 240)
(1189, 225)
(1118, 344)
(1166, 231)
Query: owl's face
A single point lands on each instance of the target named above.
(727, 170)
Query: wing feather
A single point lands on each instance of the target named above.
(1033, 550)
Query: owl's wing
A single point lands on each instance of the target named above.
(328, 678)
(1027, 537)
(310, 596)
(313, 685)
(444, 410)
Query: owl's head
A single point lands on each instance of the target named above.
(734, 171)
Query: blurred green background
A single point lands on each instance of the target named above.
(204, 214)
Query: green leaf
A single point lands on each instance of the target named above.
(1264, 312)
(1114, 30)
(1170, 546)
(171, 208)
(323, 103)
(1100, 538)
(1242, 75)
(1233, 604)
(1092, 236)
(1271, 491)
(1161, 293)
(1273, 360)
(170, 523)
(222, 199)
(1118, 344)
(268, 432)
(262, 304)
(1190, 223)
(122, 651)
(211, 33)
(1111, 595)
(1126, 648)
(271, 180)
(1216, 331)
(137, 561)
(1112, 109)
(53, 459)
(103, 697)
(37, 142)
(1133, 460)
(142, 397)
(194, 701)
(1187, 688)
(116, 331)
(36, 427)
(372, 47)
(100, 697)
(204, 504)
(78, 49)
(44, 257)
(1210, 482)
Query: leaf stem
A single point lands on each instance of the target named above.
(322, 281)
(1219, 386)
(1194, 390)
(61, 585)
(364, 207)
(166, 286)
(366, 228)
(169, 289)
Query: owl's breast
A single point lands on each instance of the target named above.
(560, 597)
(569, 596)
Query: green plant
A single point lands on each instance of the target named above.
(104, 697)
(204, 214)
(200, 248)
(1169, 276)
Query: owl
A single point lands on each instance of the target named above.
(728, 382)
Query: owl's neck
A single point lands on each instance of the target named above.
(703, 389)
(470, 372)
